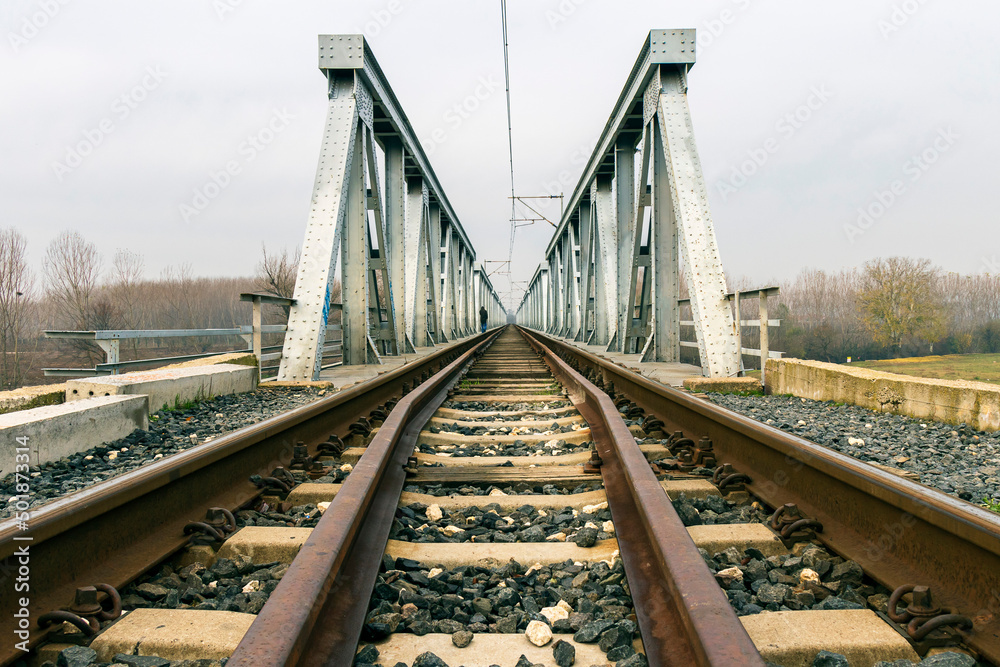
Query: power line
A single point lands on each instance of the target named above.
(510, 131)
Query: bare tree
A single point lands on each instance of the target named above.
(16, 293)
(276, 274)
(72, 268)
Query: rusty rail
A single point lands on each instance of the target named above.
(115, 530)
(683, 614)
(900, 532)
(334, 572)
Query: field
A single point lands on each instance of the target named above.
(979, 367)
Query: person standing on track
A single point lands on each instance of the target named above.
(483, 316)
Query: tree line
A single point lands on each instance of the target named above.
(889, 307)
(78, 289)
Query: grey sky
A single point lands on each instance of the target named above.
(887, 80)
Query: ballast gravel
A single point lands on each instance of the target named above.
(553, 447)
(957, 460)
(422, 523)
(228, 585)
(170, 432)
(519, 489)
(588, 600)
(492, 406)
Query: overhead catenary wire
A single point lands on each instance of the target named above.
(510, 136)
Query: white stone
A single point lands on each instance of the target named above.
(123, 449)
(434, 513)
(855, 441)
(112, 456)
(554, 613)
(608, 527)
(157, 457)
(538, 633)
(556, 537)
(88, 458)
(322, 507)
(347, 467)
(807, 576)
(591, 524)
(452, 531)
(213, 584)
(542, 513)
(593, 509)
(497, 492)
(534, 568)
(730, 574)
(562, 604)
(252, 585)
(435, 571)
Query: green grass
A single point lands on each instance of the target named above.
(978, 367)
(990, 504)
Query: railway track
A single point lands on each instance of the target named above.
(515, 499)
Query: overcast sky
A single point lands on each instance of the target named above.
(840, 104)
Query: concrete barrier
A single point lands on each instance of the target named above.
(25, 398)
(952, 401)
(169, 387)
(55, 431)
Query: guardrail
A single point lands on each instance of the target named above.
(268, 356)
(762, 323)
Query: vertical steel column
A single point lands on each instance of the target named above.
(434, 261)
(555, 280)
(420, 337)
(605, 261)
(547, 295)
(568, 278)
(666, 282)
(354, 277)
(471, 317)
(712, 316)
(624, 204)
(453, 256)
(462, 291)
(586, 274)
(395, 217)
(574, 283)
(302, 352)
(416, 196)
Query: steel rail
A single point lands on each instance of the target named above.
(683, 615)
(898, 531)
(315, 615)
(114, 531)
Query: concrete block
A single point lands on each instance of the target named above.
(25, 398)
(55, 431)
(719, 537)
(724, 385)
(793, 638)
(950, 401)
(174, 634)
(239, 358)
(486, 650)
(265, 544)
(169, 387)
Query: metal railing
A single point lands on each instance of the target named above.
(762, 323)
(268, 356)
